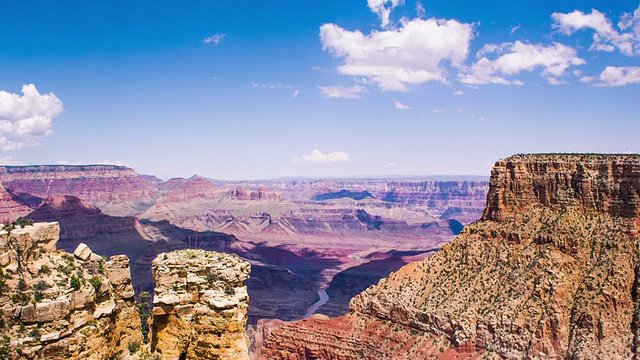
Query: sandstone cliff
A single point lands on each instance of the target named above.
(551, 271)
(56, 305)
(200, 306)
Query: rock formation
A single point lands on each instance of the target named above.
(200, 306)
(551, 271)
(56, 305)
(116, 190)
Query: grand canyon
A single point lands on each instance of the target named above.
(319, 180)
(309, 241)
(548, 270)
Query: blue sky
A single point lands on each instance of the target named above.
(316, 88)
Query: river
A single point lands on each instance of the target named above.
(323, 300)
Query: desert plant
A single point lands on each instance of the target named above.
(74, 281)
(145, 313)
(97, 284)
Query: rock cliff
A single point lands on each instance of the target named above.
(116, 190)
(56, 305)
(551, 271)
(200, 306)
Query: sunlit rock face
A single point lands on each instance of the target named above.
(56, 305)
(200, 305)
(551, 271)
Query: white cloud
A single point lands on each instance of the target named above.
(392, 163)
(401, 106)
(437, 111)
(23, 119)
(554, 81)
(517, 57)
(514, 29)
(619, 76)
(420, 9)
(352, 92)
(379, 7)
(8, 161)
(587, 79)
(605, 36)
(214, 39)
(318, 157)
(458, 93)
(295, 93)
(395, 59)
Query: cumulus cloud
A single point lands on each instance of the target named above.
(605, 36)
(513, 58)
(27, 117)
(318, 157)
(619, 76)
(214, 39)
(351, 92)
(458, 93)
(401, 106)
(380, 8)
(394, 59)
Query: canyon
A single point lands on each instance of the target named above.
(550, 271)
(298, 234)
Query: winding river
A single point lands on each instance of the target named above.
(323, 300)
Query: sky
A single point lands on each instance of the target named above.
(332, 88)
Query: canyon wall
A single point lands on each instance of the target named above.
(551, 271)
(116, 190)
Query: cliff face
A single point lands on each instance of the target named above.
(116, 190)
(200, 306)
(593, 183)
(550, 272)
(56, 305)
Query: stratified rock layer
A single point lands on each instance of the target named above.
(116, 190)
(200, 305)
(59, 306)
(550, 272)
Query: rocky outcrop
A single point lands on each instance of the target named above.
(550, 272)
(200, 306)
(598, 183)
(116, 190)
(56, 305)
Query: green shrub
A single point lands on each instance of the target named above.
(74, 282)
(38, 296)
(44, 270)
(229, 291)
(41, 285)
(22, 285)
(97, 284)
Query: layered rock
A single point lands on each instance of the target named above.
(56, 305)
(11, 207)
(116, 190)
(200, 306)
(551, 271)
(592, 182)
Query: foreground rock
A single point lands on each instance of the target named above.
(551, 271)
(56, 305)
(200, 306)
